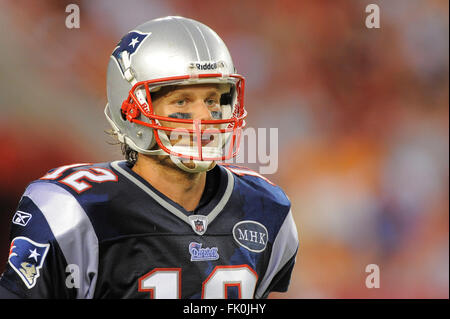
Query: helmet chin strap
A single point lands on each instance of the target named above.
(199, 166)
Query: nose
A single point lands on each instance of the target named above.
(202, 111)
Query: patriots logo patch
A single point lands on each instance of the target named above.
(129, 43)
(26, 257)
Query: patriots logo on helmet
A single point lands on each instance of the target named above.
(129, 43)
(26, 257)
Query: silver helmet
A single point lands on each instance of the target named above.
(174, 51)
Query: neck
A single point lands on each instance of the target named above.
(183, 188)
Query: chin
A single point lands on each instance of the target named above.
(191, 164)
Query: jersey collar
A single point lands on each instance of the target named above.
(207, 213)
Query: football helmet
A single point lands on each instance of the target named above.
(174, 51)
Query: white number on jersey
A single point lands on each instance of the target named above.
(165, 283)
(77, 180)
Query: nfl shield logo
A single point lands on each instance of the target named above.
(199, 226)
(199, 223)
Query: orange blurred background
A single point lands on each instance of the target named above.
(362, 116)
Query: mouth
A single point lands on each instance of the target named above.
(192, 141)
(207, 139)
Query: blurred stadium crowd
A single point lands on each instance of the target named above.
(362, 116)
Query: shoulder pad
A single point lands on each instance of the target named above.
(259, 183)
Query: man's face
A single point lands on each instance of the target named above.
(190, 102)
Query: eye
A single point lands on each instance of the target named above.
(211, 102)
(180, 102)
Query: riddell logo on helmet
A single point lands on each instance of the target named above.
(206, 66)
(146, 107)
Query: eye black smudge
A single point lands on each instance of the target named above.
(216, 115)
(180, 115)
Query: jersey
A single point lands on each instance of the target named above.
(102, 231)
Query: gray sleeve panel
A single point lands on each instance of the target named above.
(72, 230)
(284, 247)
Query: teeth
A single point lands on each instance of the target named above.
(208, 152)
(209, 138)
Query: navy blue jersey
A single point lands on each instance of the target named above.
(102, 231)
